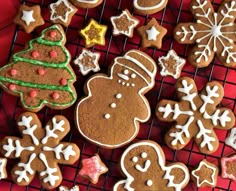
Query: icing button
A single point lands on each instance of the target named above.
(33, 93)
(12, 87)
(63, 81)
(41, 71)
(13, 72)
(34, 54)
(55, 95)
(53, 34)
(53, 54)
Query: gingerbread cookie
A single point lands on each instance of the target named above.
(40, 150)
(149, 7)
(124, 24)
(119, 101)
(143, 164)
(86, 3)
(231, 140)
(29, 17)
(195, 115)
(212, 34)
(64, 188)
(62, 12)
(94, 34)
(41, 75)
(228, 166)
(171, 64)
(205, 175)
(88, 61)
(93, 168)
(152, 34)
(3, 171)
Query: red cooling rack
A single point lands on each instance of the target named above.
(13, 39)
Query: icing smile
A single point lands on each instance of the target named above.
(145, 168)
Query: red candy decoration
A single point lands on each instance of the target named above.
(12, 87)
(63, 81)
(34, 54)
(13, 72)
(55, 95)
(41, 71)
(53, 34)
(53, 54)
(33, 93)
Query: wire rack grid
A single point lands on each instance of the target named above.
(175, 12)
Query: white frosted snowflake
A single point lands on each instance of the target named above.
(195, 115)
(213, 33)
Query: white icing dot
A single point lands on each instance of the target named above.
(113, 105)
(118, 96)
(144, 155)
(119, 81)
(126, 72)
(149, 183)
(133, 85)
(133, 75)
(135, 159)
(123, 83)
(128, 84)
(107, 116)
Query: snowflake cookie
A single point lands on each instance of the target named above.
(64, 188)
(231, 140)
(213, 33)
(195, 115)
(40, 150)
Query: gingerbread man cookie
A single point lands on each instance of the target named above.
(195, 115)
(119, 101)
(143, 164)
(213, 33)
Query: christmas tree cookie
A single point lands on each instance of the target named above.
(41, 75)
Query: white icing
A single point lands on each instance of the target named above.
(133, 85)
(58, 150)
(158, 5)
(63, 188)
(215, 32)
(3, 172)
(126, 72)
(113, 105)
(18, 149)
(212, 182)
(144, 155)
(206, 138)
(144, 168)
(135, 159)
(50, 133)
(49, 178)
(88, 1)
(123, 76)
(152, 33)
(54, 15)
(23, 174)
(29, 129)
(128, 32)
(83, 69)
(119, 95)
(149, 183)
(107, 116)
(133, 75)
(231, 140)
(27, 17)
(160, 160)
(223, 118)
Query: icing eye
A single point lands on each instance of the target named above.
(126, 72)
(135, 159)
(144, 155)
(133, 75)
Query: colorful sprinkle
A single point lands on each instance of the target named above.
(53, 34)
(53, 54)
(13, 72)
(55, 95)
(33, 93)
(35, 54)
(12, 87)
(63, 81)
(41, 71)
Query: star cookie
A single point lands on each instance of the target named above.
(3, 171)
(29, 17)
(88, 61)
(94, 34)
(64, 188)
(152, 34)
(228, 166)
(124, 24)
(231, 140)
(205, 174)
(92, 168)
(62, 12)
(171, 64)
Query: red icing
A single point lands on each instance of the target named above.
(53, 54)
(53, 34)
(41, 71)
(35, 54)
(63, 81)
(33, 93)
(13, 72)
(55, 95)
(12, 87)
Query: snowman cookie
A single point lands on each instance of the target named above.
(110, 114)
(143, 164)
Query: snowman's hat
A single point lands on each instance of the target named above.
(140, 63)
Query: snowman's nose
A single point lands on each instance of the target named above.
(123, 76)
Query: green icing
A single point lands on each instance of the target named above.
(63, 65)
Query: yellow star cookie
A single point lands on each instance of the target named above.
(94, 34)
